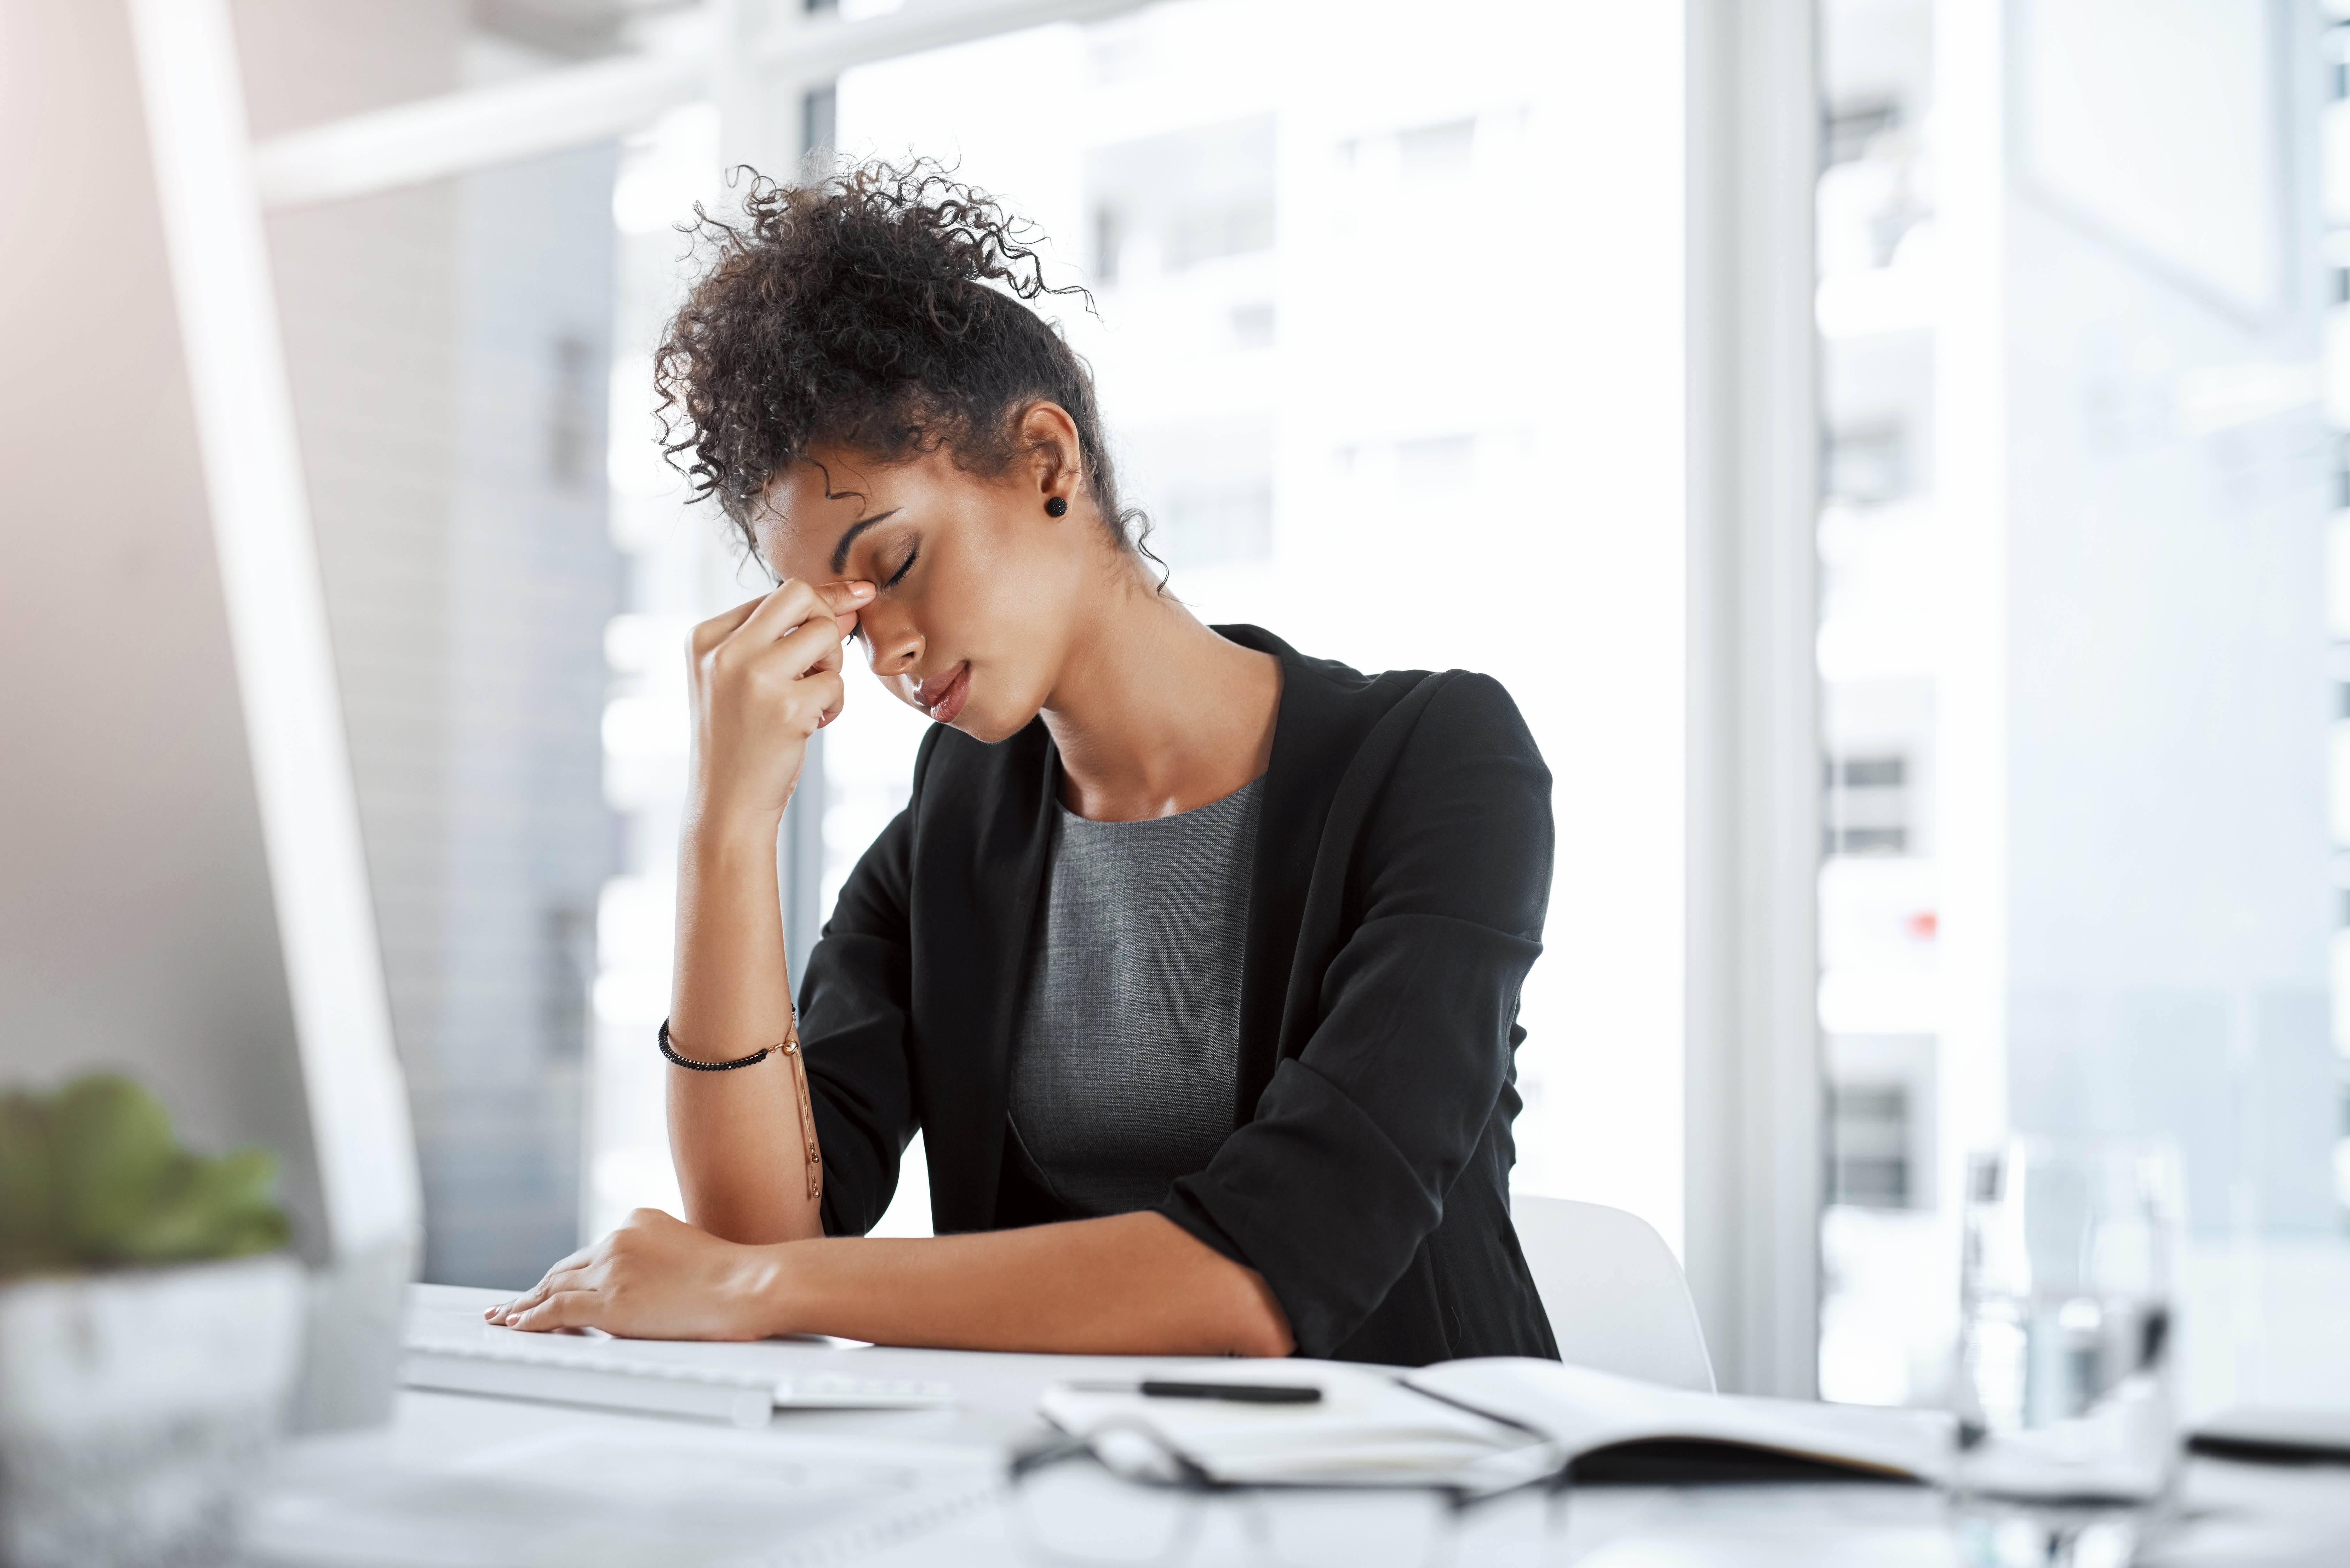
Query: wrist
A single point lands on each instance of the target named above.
(766, 1283)
(712, 829)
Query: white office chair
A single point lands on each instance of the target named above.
(1614, 1292)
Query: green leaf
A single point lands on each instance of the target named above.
(212, 1208)
(114, 1153)
(92, 1176)
(260, 1230)
(28, 1218)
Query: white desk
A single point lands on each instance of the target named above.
(475, 1481)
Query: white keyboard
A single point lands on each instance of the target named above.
(513, 1366)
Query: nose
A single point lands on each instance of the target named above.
(892, 649)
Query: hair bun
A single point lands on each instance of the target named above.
(885, 309)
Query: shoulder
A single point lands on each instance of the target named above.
(1445, 808)
(1449, 717)
(1325, 684)
(1459, 746)
(1334, 717)
(1473, 719)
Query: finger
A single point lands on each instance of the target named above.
(834, 695)
(777, 615)
(560, 1279)
(582, 1256)
(796, 601)
(846, 598)
(815, 645)
(561, 1265)
(811, 651)
(572, 1285)
(570, 1309)
(709, 633)
(846, 601)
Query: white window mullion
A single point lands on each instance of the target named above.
(1753, 1080)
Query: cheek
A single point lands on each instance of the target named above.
(1025, 583)
(972, 605)
(991, 596)
(1029, 622)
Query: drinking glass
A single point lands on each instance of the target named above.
(2066, 1429)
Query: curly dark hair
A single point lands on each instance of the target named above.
(882, 309)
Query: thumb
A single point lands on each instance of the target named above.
(844, 599)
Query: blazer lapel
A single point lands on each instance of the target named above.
(980, 935)
(1309, 728)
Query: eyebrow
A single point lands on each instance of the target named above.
(840, 551)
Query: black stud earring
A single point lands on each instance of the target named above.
(1057, 506)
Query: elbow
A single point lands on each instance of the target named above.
(1267, 1336)
(1255, 1325)
(1208, 1303)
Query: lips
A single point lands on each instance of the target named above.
(942, 696)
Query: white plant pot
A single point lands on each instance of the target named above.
(136, 1408)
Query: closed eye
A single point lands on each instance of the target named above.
(900, 575)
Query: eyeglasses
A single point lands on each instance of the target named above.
(1123, 1499)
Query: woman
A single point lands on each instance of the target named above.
(1196, 960)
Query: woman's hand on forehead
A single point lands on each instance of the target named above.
(766, 677)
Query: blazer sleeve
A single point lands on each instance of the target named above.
(856, 1007)
(1341, 1175)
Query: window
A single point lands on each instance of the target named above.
(2074, 693)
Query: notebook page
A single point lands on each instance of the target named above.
(1367, 1430)
(1584, 1410)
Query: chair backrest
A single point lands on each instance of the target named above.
(1614, 1292)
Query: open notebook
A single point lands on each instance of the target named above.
(1487, 1425)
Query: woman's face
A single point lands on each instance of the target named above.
(977, 585)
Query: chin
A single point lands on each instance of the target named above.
(989, 728)
(992, 721)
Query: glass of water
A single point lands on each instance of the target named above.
(2065, 1393)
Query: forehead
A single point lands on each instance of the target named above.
(808, 505)
(820, 489)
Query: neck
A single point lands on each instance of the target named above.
(1154, 713)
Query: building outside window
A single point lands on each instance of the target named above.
(2078, 876)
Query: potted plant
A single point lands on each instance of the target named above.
(150, 1328)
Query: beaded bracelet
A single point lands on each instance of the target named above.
(790, 1048)
(787, 1048)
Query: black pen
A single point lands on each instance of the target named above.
(1235, 1393)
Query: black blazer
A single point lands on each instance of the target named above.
(1403, 864)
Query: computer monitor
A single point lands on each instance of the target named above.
(183, 892)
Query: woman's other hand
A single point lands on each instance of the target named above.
(766, 677)
(656, 1277)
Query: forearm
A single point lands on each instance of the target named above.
(1132, 1284)
(740, 1139)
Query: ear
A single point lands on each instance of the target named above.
(1056, 456)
